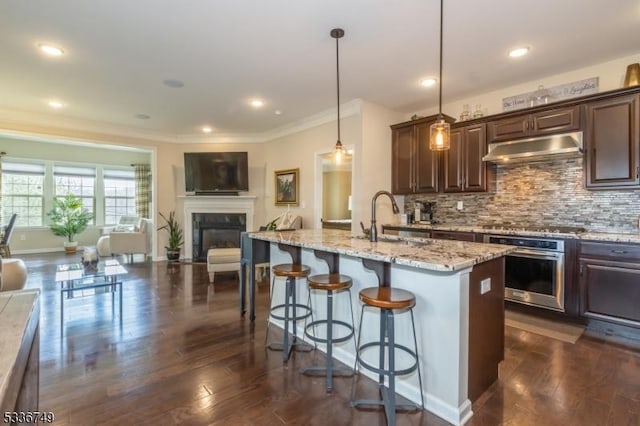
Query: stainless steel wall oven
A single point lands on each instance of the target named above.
(534, 273)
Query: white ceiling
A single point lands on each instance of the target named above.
(118, 53)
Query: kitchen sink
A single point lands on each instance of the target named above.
(398, 241)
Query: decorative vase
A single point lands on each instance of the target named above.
(632, 77)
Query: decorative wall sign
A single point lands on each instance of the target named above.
(555, 94)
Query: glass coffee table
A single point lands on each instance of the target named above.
(77, 280)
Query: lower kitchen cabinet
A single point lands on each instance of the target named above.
(610, 282)
(453, 235)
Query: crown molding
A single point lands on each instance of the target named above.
(353, 107)
(54, 127)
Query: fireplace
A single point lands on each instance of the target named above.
(232, 215)
(215, 230)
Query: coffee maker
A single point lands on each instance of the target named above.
(426, 209)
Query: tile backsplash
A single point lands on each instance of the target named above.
(540, 193)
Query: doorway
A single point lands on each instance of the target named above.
(335, 191)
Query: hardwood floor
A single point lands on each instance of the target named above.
(183, 356)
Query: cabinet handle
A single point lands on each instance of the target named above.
(526, 125)
(619, 251)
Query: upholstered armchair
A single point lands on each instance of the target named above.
(128, 238)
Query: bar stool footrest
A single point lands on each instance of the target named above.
(297, 346)
(380, 370)
(324, 322)
(306, 312)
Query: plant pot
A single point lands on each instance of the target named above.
(70, 247)
(173, 255)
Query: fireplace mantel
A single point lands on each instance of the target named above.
(214, 204)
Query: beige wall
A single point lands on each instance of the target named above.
(610, 74)
(300, 150)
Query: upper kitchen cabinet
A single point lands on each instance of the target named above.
(556, 120)
(414, 167)
(464, 170)
(612, 139)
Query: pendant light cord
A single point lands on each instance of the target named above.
(440, 89)
(338, 83)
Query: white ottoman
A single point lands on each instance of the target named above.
(222, 260)
(14, 274)
(104, 246)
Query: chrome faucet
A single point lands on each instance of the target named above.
(373, 232)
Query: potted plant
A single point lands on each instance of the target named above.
(176, 239)
(69, 218)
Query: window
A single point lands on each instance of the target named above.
(119, 195)
(78, 181)
(23, 193)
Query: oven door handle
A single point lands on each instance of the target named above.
(536, 254)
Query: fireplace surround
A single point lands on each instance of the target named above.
(225, 211)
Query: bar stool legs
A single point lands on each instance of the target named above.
(329, 283)
(291, 313)
(387, 344)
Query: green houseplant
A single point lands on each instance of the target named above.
(69, 218)
(176, 239)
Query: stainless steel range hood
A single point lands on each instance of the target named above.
(534, 149)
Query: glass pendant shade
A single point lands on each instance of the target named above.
(339, 152)
(440, 135)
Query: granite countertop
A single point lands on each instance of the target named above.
(620, 237)
(422, 253)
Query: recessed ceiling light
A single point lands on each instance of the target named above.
(428, 82)
(277, 112)
(518, 52)
(142, 116)
(50, 50)
(257, 103)
(55, 104)
(176, 84)
(207, 129)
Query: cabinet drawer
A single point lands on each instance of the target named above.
(614, 251)
(453, 235)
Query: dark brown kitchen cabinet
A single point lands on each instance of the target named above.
(552, 121)
(612, 140)
(463, 168)
(610, 282)
(453, 235)
(414, 167)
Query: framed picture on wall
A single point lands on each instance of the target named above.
(287, 187)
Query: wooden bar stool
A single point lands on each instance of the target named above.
(330, 283)
(388, 300)
(291, 272)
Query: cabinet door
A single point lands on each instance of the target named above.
(475, 170)
(610, 291)
(508, 128)
(402, 145)
(612, 142)
(453, 162)
(426, 162)
(555, 121)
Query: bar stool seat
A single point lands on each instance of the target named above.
(332, 282)
(290, 271)
(388, 300)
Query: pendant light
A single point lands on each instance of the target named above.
(440, 131)
(338, 33)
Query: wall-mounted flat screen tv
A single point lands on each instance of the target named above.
(216, 172)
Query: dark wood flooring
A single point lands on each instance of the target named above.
(184, 356)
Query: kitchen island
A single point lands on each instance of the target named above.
(459, 288)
